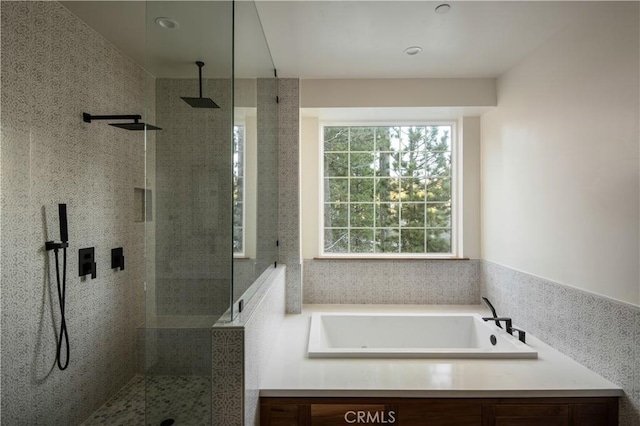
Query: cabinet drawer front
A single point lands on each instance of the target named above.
(280, 415)
(532, 421)
(526, 415)
(532, 410)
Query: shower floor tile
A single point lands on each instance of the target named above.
(186, 399)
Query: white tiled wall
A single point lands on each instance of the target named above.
(600, 333)
(53, 69)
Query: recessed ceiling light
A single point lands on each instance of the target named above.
(443, 8)
(413, 50)
(166, 23)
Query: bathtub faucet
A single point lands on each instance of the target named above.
(493, 312)
(507, 321)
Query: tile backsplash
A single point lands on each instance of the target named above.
(600, 333)
(451, 282)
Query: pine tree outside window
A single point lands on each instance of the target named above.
(238, 191)
(388, 190)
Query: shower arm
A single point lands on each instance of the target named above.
(87, 118)
(200, 64)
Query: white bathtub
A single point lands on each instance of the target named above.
(334, 335)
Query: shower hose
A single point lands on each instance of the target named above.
(63, 336)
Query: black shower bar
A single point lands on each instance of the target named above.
(200, 64)
(136, 125)
(88, 117)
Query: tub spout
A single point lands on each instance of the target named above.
(508, 322)
(493, 310)
(508, 327)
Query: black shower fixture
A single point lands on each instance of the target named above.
(200, 102)
(136, 125)
(63, 336)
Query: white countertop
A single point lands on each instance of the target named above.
(290, 373)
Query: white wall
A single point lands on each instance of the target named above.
(424, 92)
(309, 186)
(560, 158)
(471, 233)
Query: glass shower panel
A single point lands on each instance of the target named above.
(255, 155)
(188, 199)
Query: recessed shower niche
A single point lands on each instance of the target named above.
(142, 205)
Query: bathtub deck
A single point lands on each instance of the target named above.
(290, 373)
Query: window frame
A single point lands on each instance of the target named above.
(456, 198)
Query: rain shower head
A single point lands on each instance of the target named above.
(200, 102)
(136, 125)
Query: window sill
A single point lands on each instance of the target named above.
(388, 258)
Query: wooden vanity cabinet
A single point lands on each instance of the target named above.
(440, 411)
(566, 413)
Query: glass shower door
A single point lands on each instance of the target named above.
(188, 199)
(255, 196)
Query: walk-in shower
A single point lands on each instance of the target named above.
(194, 206)
(212, 173)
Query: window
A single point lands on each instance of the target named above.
(388, 189)
(238, 190)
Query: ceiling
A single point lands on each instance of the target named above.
(366, 39)
(204, 33)
(331, 39)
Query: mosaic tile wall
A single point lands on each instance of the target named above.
(241, 351)
(53, 69)
(599, 333)
(289, 178)
(227, 379)
(193, 199)
(450, 282)
(267, 196)
(174, 351)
